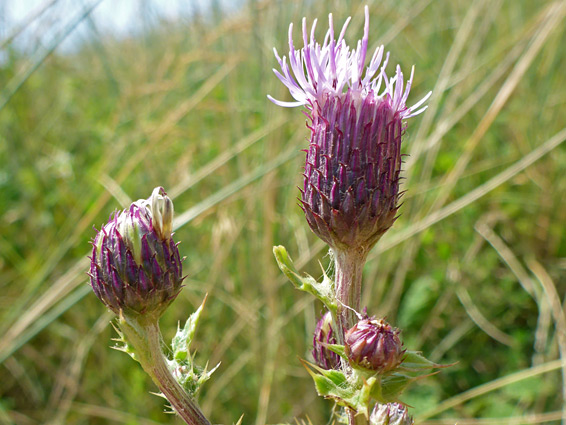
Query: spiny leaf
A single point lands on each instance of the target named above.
(415, 362)
(322, 290)
(336, 348)
(182, 340)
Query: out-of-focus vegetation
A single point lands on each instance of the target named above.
(473, 271)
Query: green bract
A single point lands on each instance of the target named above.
(324, 290)
(360, 389)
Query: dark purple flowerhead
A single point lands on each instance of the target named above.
(374, 345)
(350, 194)
(324, 334)
(135, 266)
(390, 414)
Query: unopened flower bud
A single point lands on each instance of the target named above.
(324, 334)
(373, 344)
(135, 266)
(390, 414)
(162, 213)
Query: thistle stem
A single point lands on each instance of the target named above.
(146, 339)
(348, 267)
(348, 280)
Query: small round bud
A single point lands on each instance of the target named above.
(390, 414)
(373, 344)
(135, 266)
(324, 334)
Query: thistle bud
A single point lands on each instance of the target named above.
(373, 344)
(324, 334)
(350, 193)
(390, 414)
(135, 265)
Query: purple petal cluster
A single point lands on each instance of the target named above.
(350, 192)
(373, 344)
(135, 265)
(324, 334)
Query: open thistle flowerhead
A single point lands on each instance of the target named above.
(374, 345)
(390, 414)
(135, 266)
(324, 334)
(350, 193)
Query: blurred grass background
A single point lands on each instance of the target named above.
(473, 271)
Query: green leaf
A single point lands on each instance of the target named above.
(324, 290)
(182, 340)
(414, 367)
(123, 346)
(415, 364)
(183, 367)
(336, 348)
(333, 384)
(392, 387)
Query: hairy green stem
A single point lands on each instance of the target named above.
(145, 337)
(348, 280)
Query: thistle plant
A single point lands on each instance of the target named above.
(136, 271)
(350, 195)
(390, 414)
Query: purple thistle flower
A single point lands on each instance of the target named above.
(324, 334)
(351, 180)
(135, 265)
(373, 344)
